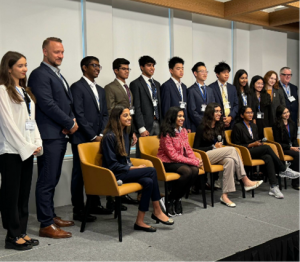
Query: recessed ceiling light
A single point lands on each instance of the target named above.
(275, 8)
(223, 1)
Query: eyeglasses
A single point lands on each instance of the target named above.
(202, 72)
(218, 112)
(249, 113)
(286, 74)
(96, 66)
(125, 69)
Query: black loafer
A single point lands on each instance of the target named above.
(110, 205)
(32, 241)
(169, 222)
(100, 210)
(80, 217)
(146, 229)
(11, 243)
(129, 200)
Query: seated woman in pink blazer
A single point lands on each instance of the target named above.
(177, 156)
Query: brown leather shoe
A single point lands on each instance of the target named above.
(53, 231)
(63, 223)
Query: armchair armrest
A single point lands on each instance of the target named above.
(158, 165)
(138, 161)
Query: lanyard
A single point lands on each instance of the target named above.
(259, 104)
(249, 129)
(28, 103)
(286, 87)
(153, 91)
(288, 128)
(204, 95)
(244, 97)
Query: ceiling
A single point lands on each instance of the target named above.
(274, 14)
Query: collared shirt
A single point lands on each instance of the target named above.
(203, 87)
(148, 84)
(178, 85)
(122, 84)
(286, 89)
(57, 72)
(225, 88)
(94, 89)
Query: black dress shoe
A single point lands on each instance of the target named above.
(169, 222)
(100, 210)
(11, 243)
(32, 241)
(146, 229)
(178, 207)
(127, 199)
(110, 205)
(80, 216)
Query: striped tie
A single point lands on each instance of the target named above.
(225, 102)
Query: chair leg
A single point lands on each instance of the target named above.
(166, 197)
(203, 181)
(212, 185)
(116, 209)
(86, 212)
(119, 203)
(285, 186)
(243, 188)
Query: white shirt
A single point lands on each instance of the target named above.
(14, 138)
(286, 88)
(225, 88)
(94, 89)
(178, 85)
(57, 72)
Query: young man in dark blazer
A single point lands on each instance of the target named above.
(55, 121)
(225, 94)
(199, 96)
(147, 102)
(91, 114)
(174, 92)
(290, 93)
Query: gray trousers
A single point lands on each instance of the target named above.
(232, 163)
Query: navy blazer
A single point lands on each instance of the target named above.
(91, 121)
(54, 103)
(170, 96)
(232, 98)
(195, 102)
(292, 106)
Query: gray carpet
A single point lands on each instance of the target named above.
(198, 235)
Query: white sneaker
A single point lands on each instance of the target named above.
(162, 204)
(276, 192)
(289, 173)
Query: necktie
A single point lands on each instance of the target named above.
(203, 92)
(179, 90)
(225, 102)
(154, 96)
(128, 93)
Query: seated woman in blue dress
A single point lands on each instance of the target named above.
(115, 147)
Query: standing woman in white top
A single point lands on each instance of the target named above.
(19, 141)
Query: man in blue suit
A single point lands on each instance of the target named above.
(174, 92)
(225, 94)
(55, 121)
(91, 115)
(290, 93)
(199, 96)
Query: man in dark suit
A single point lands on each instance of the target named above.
(199, 96)
(55, 121)
(225, 94)
(118, 93)
(290, 93)
(147, 103)
(91, 114)
(174, 92)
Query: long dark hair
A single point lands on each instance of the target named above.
(169, 123)
(7, 62)
(265, 97)
(114, 125)
(207, 120)
(242, 111)
(279, 121)
(236, 82)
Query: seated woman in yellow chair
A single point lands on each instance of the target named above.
(208, 138)
(114, 146)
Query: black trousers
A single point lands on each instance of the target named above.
(188, 177)
(16, 176)
(49, 171)
(294, 163)
(77, 185)
(273, 165)
(147, 177)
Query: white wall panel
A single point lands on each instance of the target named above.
(293, 59)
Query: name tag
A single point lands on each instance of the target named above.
(30, 124)
(154, 102)
(203, 107)
(291, 98)
(131, 110)
(227, 105)
(182, 105)
(260, 115)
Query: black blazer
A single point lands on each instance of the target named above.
(194, 104)
(266, 108)
(54, 103)
(170, 96)
(283, 138)
(249, 101)
(111, 160)
(143, 106)
(292, 106)
(240, 134)
(90, 119)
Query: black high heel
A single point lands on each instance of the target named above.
(32, 241)
(11, 243)
(169, 222)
